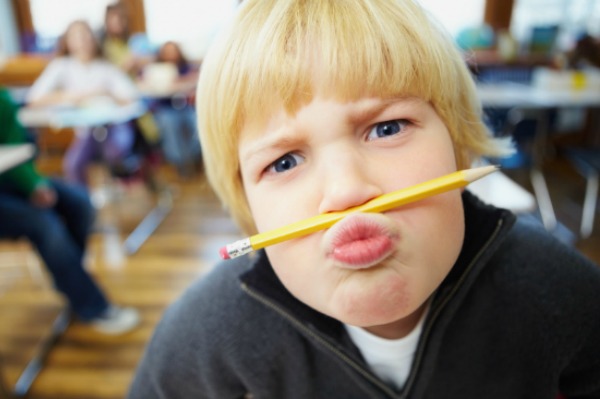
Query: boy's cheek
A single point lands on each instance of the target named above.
(272, 210)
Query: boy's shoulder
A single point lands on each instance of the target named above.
(216, 327)
(532, 263)
(216, 296)
(217, 302)
(529, 241)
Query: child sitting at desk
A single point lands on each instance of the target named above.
(175, 114)
(79, 76)
(316, 106)
(57, 218)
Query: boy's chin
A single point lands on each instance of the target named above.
(392, 325)
(374, 309)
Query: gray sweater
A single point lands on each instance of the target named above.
(517, 317)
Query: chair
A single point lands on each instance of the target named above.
(528, 128)
(587, 163)
(143, 163)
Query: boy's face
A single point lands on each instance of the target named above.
(369, 270)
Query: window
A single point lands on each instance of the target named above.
(51, 18)
(192, 24)
(572, 17)
(456, 15)
(201, 19)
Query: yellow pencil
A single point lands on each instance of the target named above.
(382, 203)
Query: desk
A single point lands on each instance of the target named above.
(511, 95)
(22, 69)
(184, 87)
(541, 100)
(62, 117)
(97, 115)
(11, 156)
(499, 190)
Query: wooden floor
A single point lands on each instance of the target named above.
(86, 365)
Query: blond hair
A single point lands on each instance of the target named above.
(284, 52)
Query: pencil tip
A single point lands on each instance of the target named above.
(224, 254)
(474, 174)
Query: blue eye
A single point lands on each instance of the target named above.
(387, 128)
(287, 162)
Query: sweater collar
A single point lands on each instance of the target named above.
(482, 222)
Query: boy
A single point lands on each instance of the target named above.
(308, 107)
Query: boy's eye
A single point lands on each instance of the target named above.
(285, 163)
(387, 128)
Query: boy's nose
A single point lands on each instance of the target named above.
(346, 185)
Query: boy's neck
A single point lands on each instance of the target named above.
(399, 328)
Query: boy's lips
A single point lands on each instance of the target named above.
(360, 240)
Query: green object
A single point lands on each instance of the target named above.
(25, 176)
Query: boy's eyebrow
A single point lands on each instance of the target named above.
(368, 111)
(279, 139)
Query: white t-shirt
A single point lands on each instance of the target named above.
(390, 359)
(70, 74)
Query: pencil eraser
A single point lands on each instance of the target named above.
(223, 252)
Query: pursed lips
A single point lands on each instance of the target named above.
(360, 240)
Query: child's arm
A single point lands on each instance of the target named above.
(25, 176)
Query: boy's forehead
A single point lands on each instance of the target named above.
(272, 128)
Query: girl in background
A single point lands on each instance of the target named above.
(175, 113)
(78, 76)
(115, 41)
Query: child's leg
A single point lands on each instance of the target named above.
(170, 125)
(60, 252)
(118, 143)
(74, 205)
(191, 128)
(78, 156)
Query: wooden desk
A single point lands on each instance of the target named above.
(22, 69)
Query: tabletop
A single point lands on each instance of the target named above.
(508, 95)
(501, 191)
(176, 88)
(69, 116)
(13, 155)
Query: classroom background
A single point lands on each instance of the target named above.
(159, 226)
